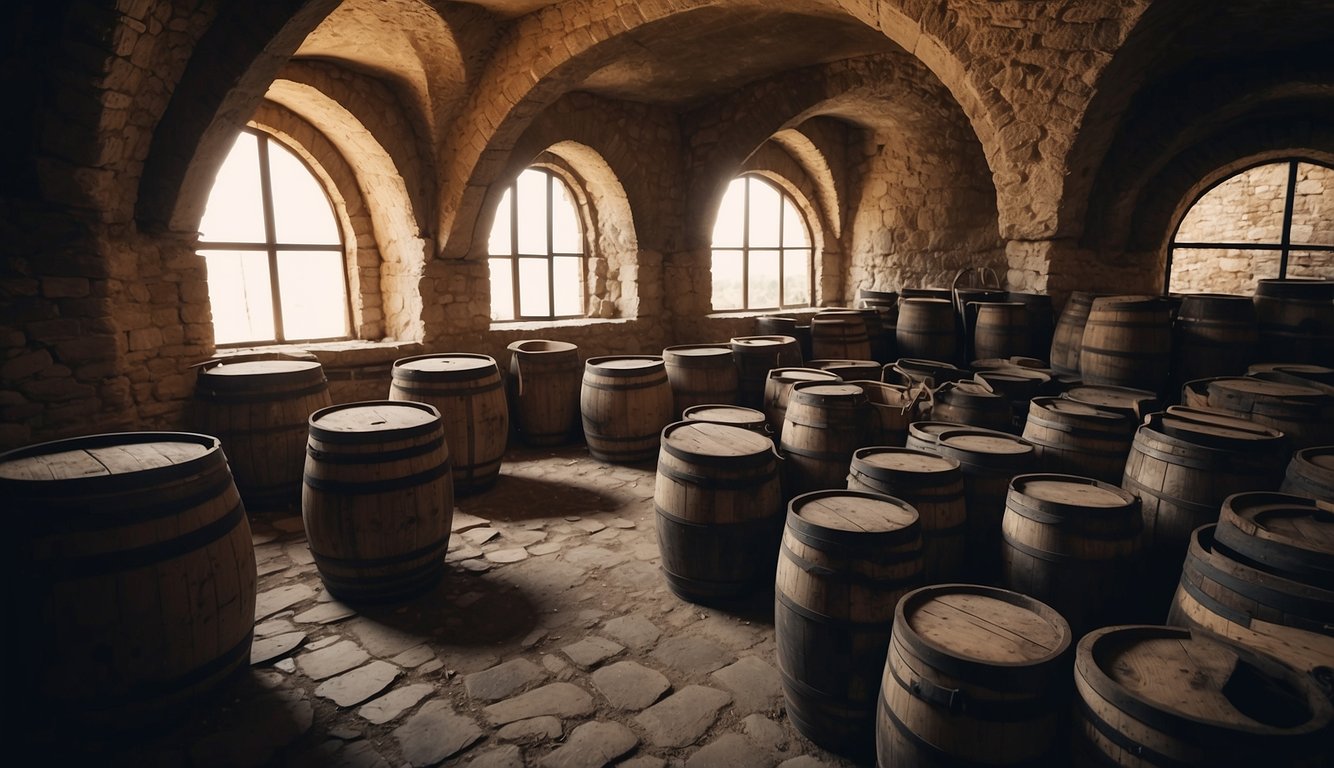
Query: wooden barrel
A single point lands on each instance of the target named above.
(974, 404)
(137, 573)
(1128, 343)
(755, 356)
(878, 299)
(378, 498)
(1305, 414)
(1137, 403)
(1067, 339)
(893, 408)
(847, 369)
(719, 506)
(1317, 373)
(1074, 543)
(1041, 322)
(1015, 384)
(1166, 696)
(880, 325)
(1073, 438)
(1214, 335)
(1310, 473)
(924, 293)
(787, 325)
(974, 676)
(625, 402)
(544, 390)
(468, 392)
(1281, 534)
(824, 424)
(839, 334)
(933, 485)
(911, 370)
(700, 374)
(923, 435)
(732, 415)
(846, 559)
(778, 389)
(1000, 330)
(1296, 320)
(257, 405)
(926, 330)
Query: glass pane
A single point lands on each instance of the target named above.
(569, 285)
(1318, 264)
(532, 187)
(1247, 208)
(565, 236)
(728, 227)
(1313, 206)
(533, 298)
(235, 210)
(763, 279)
(499, 244)
(1220, 270)
(796, 278)
(311, 288)
(794, 227)
(238, 289)
(502, 289)
(301, 211)
(765, 208)
(727, 280)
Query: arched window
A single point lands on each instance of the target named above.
(276, 265)
(537, 251)
(762, 254)
(1273, 220)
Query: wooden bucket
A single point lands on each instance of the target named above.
(1166, 696)
(840, 333)
(1214, 335)
(974, 676)
(544, 390)
(1041, 322)
(926, 329)
(701, 374)
(731, 415)
(378, 498)
(755, 356)
(1137, 403)
(973, 404)
(848, 370)
(1281, 534)
(846, 559)
(893, 408)
(1073, 438)
(468, 392)
(257, 405)
(138, 576)
(1074, 543)
(719, 505)
(1305, 414)
(778, 390)
(625, 402)
(933, 485)
(1067, 339)
(1310, 473)
(1296, 320)
(1000, 330)
(825, 422)
(1128, 343)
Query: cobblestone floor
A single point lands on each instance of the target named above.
(552, 641)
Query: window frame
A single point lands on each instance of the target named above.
(784, 196)
(553, 177)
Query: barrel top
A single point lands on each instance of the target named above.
(984, 624)
(1209, 416)
(933, 428)
(1262, 387)
(1071, 490)
(855, 512)
(827, 389)
(703, 438)
(258, 367)
(103, 455)
(730, 414)
(698, 350)
(833, 362)
(1076, 408)
(1291, 521)
(447, 363)
(762, 341)
(926, 301)
(1196, 429)
(1116, 397)
(628, 363)
(539, 346)
(379, 416)
(904, 460)
(977, 441)
(1321, 455)
(802, 374)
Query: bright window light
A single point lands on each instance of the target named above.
(536, 250)
(762, 254)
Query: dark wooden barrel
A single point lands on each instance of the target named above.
(1000, 330)
(912, 370)
(824, 424)
(1041, 322)
(1304, 413)
(1317, 373)
(732, 415)
(378, 498)
(1166, 696)
(1310, 473)
(778, 389)
(1281, 534)
(1137, 403)
(974, 676)
(719, 506)
(1068, 337)
(1128, 343)
(1214, 335)
(848, 369)
(1074, 543)
(625, 402)
(880, 328)
(257, 405)
(136, 577)
(755, 356)
(893, 408)
(933, 485)
(839, 334)
(1074, 438)
(787, 325)
(544, 390)
(846, 559)
(1018, 386)
(468, 391)
(700, 374)
(974, 404)
(1296, 320)
(926, 329)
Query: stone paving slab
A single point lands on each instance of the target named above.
(435, 733)
(333, 660)
(507, 756)
(264, 650)
(633, 631)
(755, 685)
(560, 699)
(591, 651)
(396, 702)
(543, 728)
(731, 750)
(692, 654)
(271, 601)
(592, 745)
(325, 613)
(683, 717)
(362, 683)
(630, 685)
(503, 679)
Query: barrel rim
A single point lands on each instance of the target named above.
(799, 389)
(357, 438)
(827, 375)
(721, 349)
(739, 343)
(401, 371)
(859, 461)
(763, 454)
(519, 347)
(295, 382)
(1129, 501)
(757, 416)
(654, 364)
(815, 534)
(952, 663)
(116, 481)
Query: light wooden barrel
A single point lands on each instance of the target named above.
(973, 404)
(732, 415)
(1041, 322)
(136, 576)
(1166, 696)
(1000, 330)
(1138, 403)
(625, 402)
(847, 369)
(974, 676)
(1074, 438)
(468, 392)
(1310, 473)
(893, 408)
(911, 370)
(1281, 534)
(755, 356)
(778, 390)
(840, 334)
(926, 329)
(1067, 339)
(846, 559)
(1074, 543)
(701, 374)
(1128, 343)
(719, 505)
(1296, 320)
(257, 405)
(1305, 414)
(1214, 335)
(544, 390)
(378, 498)
(933, 485)
(824, 424)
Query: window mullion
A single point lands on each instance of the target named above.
(514, 248)
(1288, 205)
(745, 245)
(551, 258)
(270, 235)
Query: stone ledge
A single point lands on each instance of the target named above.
(500, 326)
(339, 354)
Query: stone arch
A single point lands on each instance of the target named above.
(816, 166)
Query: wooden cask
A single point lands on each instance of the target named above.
(1000, 330)
(1304, 413)
(846, 559)
(544, 383)
(732, 415)
(1073, 438)
(625, 402)
(755, 356)
(1310, 473)
(1068, 337)
(974, 676)
(778, 390)
(701, 374)
(1279, 533)
(973, 404)
(893, 408)
(719, 505)
(1214, 335)
(1128, 343)
(1166, 696)
(840, 334)
(933, 485)
(1138, 403)
(257, 405)
(378, 499)
(1041, 322)
(1296, 320)
(1018, 386)
(137, 593)
(926, 330)
(847, 369)
(787, 325)
(468, 392)
(924, 434)
(824, 424)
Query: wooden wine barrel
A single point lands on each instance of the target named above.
(847, 369)
(468, 392)
(1128, 343)
(137, 593)
(926, 330)
(1281, 534)
(732, 415)
(544, 390)
(1166, 696)
(840, 334)
(778, 390)
(625, 402)
(846, 559)
(1000, 330)
(973, 404)
(1074, 543)
(1041, 322)
(1073, 438)
(1304, 414)
(378, 498)
(755, 356)
(1214, 335)
(824, 424)
(257, 405)
(701, 374)
(1310, 473)
(786, 325)
(1067, 339)
(1296, 320)
(1138, 403)
(1017, 385)
(933, 373)
(719, 506)
(974, 676)
(893, 408)
(933, 485)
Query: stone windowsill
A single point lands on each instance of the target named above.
(339, 354)
(500, 326)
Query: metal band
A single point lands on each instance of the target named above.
(67, 569)
(716, 483)
(438, 545)
(380, 457)
(351, 488)
(818, 618)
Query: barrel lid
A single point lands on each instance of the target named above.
(854, 511)
(980, 624)
(1132, 302)
(904, 460)
(104, 455)
(703, 438)
(984, 306)
(258, 367)
(1071, 490)
(1254, 388)
(1211, 432)
(831, 362)
(1076, 408)
(980, 441)
(966, 389)
(450, 366)
(931, 430)
(1012, 375)
(723, 414)
(540, 346)
(786, 375)
(1213, 417)
(1124, 398)
(624, 365)
(374, 417)
(1300, 288)
(762, 341)
(836, 390)
(1284, 533)
(926, 300)
(1321, 456)
(698, 350)
(1317, 373)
